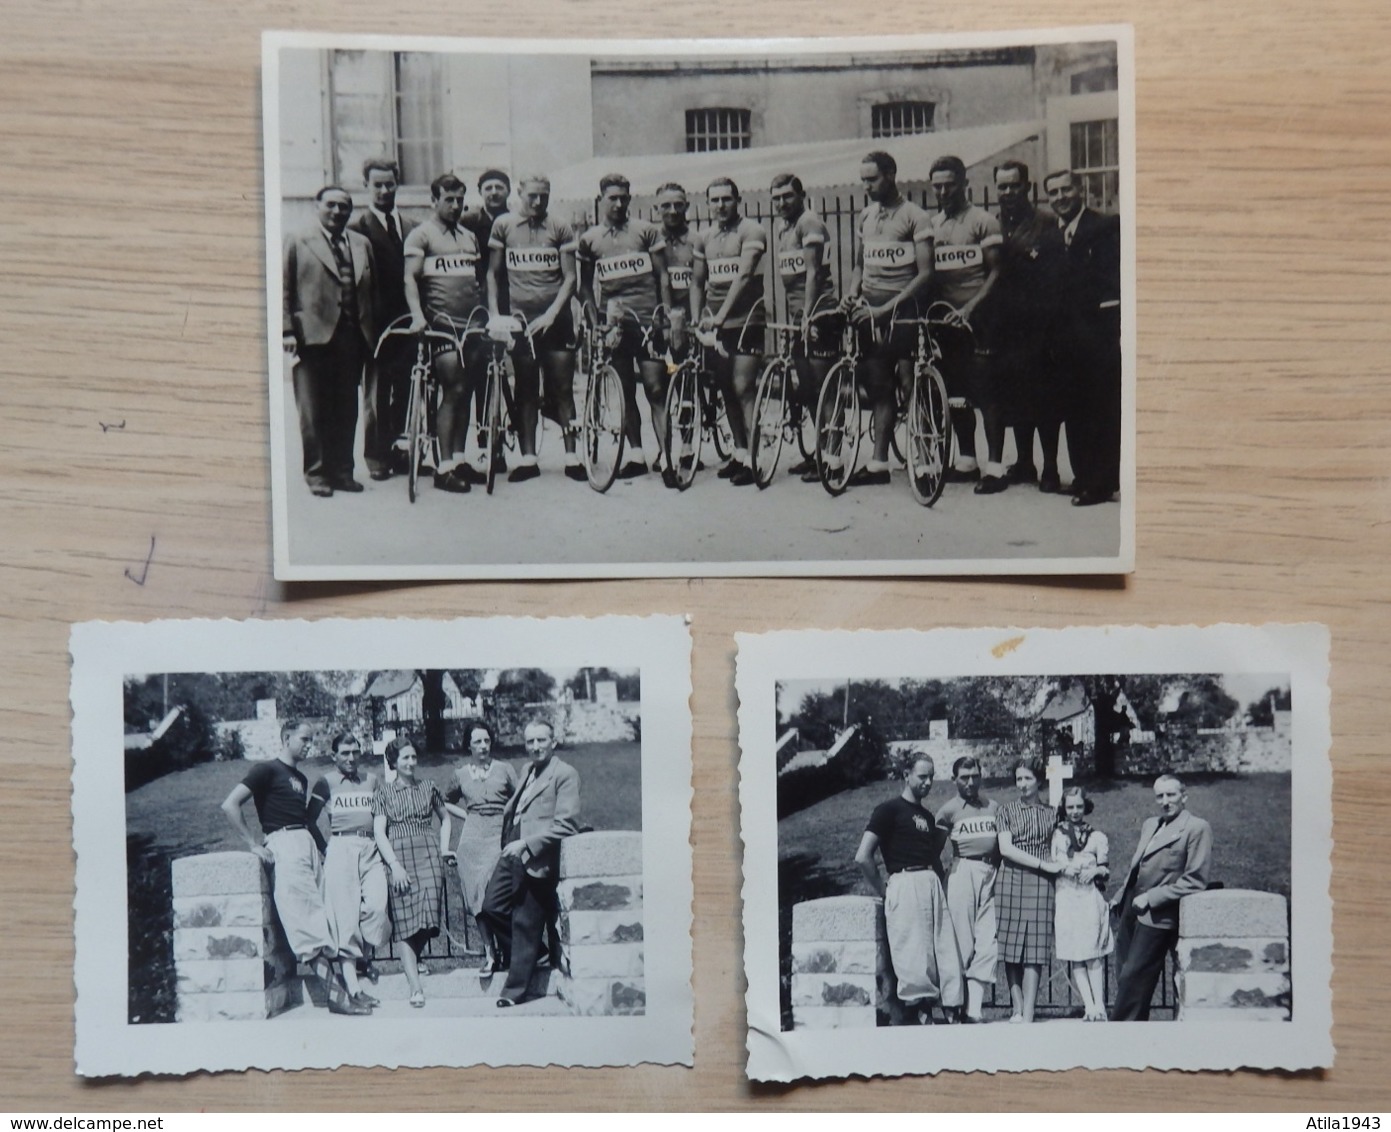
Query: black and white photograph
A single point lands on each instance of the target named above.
(473, 858)
(573, 308)
(995, 865)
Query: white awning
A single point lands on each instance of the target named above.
(818, 164)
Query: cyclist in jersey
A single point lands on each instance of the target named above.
(672, 205)
(623, 271)
(728, 281)
(801, 244)
(968, 244)
(893, 270)
(443, 291)
(534, 254)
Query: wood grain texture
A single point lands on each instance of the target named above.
(131, 238)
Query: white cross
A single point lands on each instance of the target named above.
(1058, 774)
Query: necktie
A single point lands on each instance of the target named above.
(391, 229)
(347, 286)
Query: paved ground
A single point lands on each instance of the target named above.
(553, 519)
(448, 994)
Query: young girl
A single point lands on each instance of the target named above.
(1082, 926)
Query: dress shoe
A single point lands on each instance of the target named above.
(728, 470)
(803, 467)
(869, 477)
(742, 477)
(523, 472)
(347, 483)
(1022, 473)
(1085, 498)
(576, 472)
(368, 971)
(812, 474)
(342, 1005)
(469, 474)
(956, 475)
(379, 474)
(322, 490)
(362, 998)
(991, 485)
(669, 478)
(503, 1003)
(631, 470)
(452, 481)
(1050, 484)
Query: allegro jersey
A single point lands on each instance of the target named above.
(348, 801)
(959, 252)
(532, 250)
(723, 249)
(974, 828)
(680, 253)
(622, 263)
(795, 244)
(889, 239)
(448, 277)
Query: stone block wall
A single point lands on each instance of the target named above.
(841, 973)
(231, 960)
(601, 926)
(1233, 957)
(1256, 749)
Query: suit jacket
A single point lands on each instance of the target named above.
(543, 812)
(312, 300)
(1167, 866)
(388, 261)
(1092, 267)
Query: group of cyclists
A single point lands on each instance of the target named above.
(499, 281)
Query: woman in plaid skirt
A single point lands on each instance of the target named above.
(402, 818)
(1024, 891)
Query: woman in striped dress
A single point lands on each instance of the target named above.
(402, 816)
(1024, 891)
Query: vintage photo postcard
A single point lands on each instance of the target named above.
(400, 843)
(626, 308)
(1011, 849)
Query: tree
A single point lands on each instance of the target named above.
(581, 684)
(1204, 703)
(432, 704)
(526, 685)
(1261, 712)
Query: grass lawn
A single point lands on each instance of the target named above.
(1250, 818)
(179, 815)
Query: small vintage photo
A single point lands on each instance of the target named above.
(989, 849)
(474, 857)
(579, 308)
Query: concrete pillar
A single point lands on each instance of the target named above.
(231, 959)
(600, 897)
(1233, 957)
(841, 973)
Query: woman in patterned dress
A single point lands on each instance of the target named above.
(402, 815)
(484, 784)
(1024, 891)
(1083, 921)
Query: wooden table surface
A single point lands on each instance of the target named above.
(131, 296)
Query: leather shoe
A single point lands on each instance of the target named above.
(742, 476)
(503, 1003)
(812, 474)
(803, 467)
(347, 1006)
(469, 474)
(728, 470)
(1022, 473)
(991, 485)
(452, 481)
(379, 474)
(669, 478)
(347, 484)
(523, 472)
(1085, 498)
(1050, 484)
(576, 472)
(322, 490)
(956, 475)
(867, 477)
(631, 470)
(362, 998)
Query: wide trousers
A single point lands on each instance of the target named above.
(1141, 950)
(326, 386)
(295, 888)
(355, 896)
(518, 906)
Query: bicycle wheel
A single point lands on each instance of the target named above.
(492, 431)
(717, 416)
(837, 428)
(929, 436)
(803, 423)
(770, 410)
(602, 428)
(684, 433)
(415, 433)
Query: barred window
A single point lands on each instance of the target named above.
(718, 127)
(895, 119)
(387, 103)
(1096, 160)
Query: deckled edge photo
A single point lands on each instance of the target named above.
(651, 1024)
(831, 662)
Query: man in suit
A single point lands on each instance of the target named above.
(1171, 861)
(1089, 339)
(520, 899)
(387, 383)
(329, 324)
